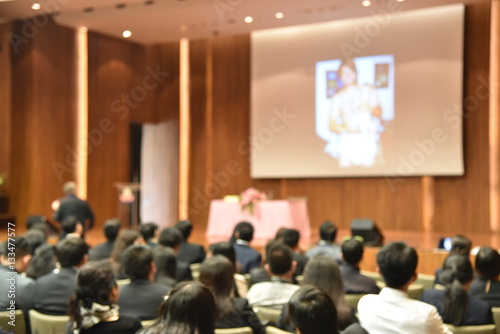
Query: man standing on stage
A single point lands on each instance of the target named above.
(72, 205)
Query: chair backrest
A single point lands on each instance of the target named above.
(47, 324)
(353, 300)
(415, 291)
(239, 330)
(12, 322)
(299, 279)
(426, 280)
(496, 317)
(373, 275)
(274, 330)
(482, 329)
(122, 282)
(267, 314)
(195, 270)
(147, 323)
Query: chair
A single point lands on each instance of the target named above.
(122, 282)
(239, 330)
(482, 329)
(415, 291)
(16, 318)
(195, 270)
(274, 330)
(426, 280)
(147, 323)
(496, 317)
(373, 275)
(299, 279)
(353, 300)
(47, 324)
(267, 314)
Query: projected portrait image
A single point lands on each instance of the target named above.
(354, 106)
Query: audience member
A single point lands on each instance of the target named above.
(188, 252)
(52, 291)
(71, 205)
(217, 274)
(354, 282)
(291, 238)
(103, 251)
(258, 275)
(225, 248)
(247, 257)
(142, 296)
(460, 245)
(392, 311)
(43, 261)
(486, 285)
(35, 239)
(92, 308)
(453, 303)
(125, 239)
(71, 227)
(149, 232)
(166, 266)
(278, 291)
(189, 308)
(172, 237)
(326, 246)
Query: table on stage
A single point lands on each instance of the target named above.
(268, 217)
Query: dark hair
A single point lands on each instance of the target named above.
(312, 311)
(488, 263)
(111, 228)
(189, 308)
(290, 237)
(397, 263)
(280, 258)
(94, 283)
(148, 230)
(224, 248)
(460, 245)
(69, 224)
(217, 274)
(136, 261)
(328, 231)
(71, 251)
(245, 230)
(185, 227)
(352, 251)
(457, 270)
(166, 264)
(125, 239)
(171, 237)
(35, 239)
(22, 248)
(42, 262)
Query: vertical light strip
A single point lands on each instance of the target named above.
(494, 106)
(184, 129)
(81, 111)
(427, 202)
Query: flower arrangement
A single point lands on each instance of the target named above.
(249, 199)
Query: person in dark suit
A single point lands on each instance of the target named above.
(486, 285)
(354, 282)
(52, 291)
(142, 296)
(149, 232)
(103, 251)
(460, 245)
(291, 237)
(172, 237)
(188, 252)
(247, 257)
(454, 304)
(72, 205)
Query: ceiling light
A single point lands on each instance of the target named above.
(248, 19)
(401, 0)
(83, 29)
(36, 6)
(279, 15)
(366, 3)
(126, 33)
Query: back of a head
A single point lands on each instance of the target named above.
(224, 248)
(245, 231)
(148, 230)
(397, 263)
(328, 231)
(312, 311)
(279, 258)
(35, 238)
(171, 237)
(185, 227)
(22, 248)
(290, 237)
(136, 261)
(323, 272)
(42, 261)
(217, 273)
(111, 228)
(488, 263)
(69, 188)
(190, 308)
(69, 224)
(71, 252)
(460, 245)
(456, 267)
(125, 239)
(165, 261)
(352, 251)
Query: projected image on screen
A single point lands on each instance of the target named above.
(354, 106)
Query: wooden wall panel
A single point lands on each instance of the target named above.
(5, 106)
(462, 203)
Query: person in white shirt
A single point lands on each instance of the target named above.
(392, 311)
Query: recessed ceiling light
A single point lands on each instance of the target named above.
(248, 19)
(366, 3)
(126, 33)
(36, 6)
(401, 0)
(279, 15)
